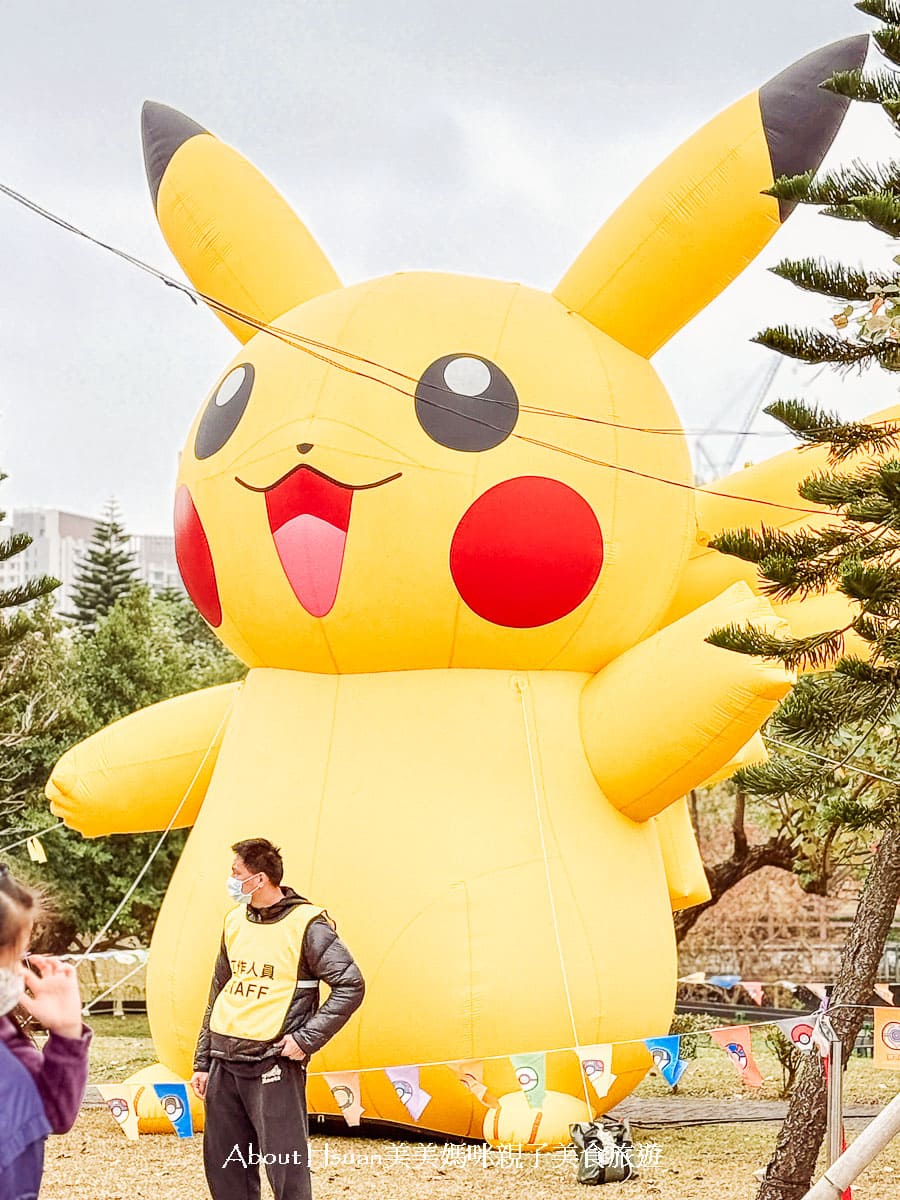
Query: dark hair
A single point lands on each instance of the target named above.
(19, 905)
(260, 855)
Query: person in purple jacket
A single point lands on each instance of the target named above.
(41, 1091)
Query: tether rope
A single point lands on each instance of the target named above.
(165, 833)
(538, 790)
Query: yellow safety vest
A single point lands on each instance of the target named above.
(264, 958)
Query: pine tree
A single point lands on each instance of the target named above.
(210, 662)
(107, 570)
(30, 589)
(832, 741)
(23, 625)
(144, 650)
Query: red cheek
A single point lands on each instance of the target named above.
(194, 559)
(527, 552)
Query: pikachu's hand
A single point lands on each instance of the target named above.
(139, 773)
(67, 800)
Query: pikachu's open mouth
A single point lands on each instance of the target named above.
(309, 516)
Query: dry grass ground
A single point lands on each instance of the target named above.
(96, 1162)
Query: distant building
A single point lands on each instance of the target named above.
(60, 541)
(154, 555)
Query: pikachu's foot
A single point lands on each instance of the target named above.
(515, 1123)
(155, 1116)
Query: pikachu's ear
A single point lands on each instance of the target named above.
(236, 237)
(694, 224)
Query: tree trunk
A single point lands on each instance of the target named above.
(54, 936)
(790, 1170)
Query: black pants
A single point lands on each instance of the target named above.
(253, 1121)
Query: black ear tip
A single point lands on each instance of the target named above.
(800, 118)
(163, 130)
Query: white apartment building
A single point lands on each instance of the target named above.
(61, 539)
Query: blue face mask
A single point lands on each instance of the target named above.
(236, 890)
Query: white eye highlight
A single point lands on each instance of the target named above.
(230, 386)
(467, 376)
(224, 410)
(466, 403)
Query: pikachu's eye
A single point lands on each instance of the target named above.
(466, 403)
(224, 410)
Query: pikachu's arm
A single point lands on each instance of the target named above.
(132, 776)
(735, 503)
(696, 222)
(764, 494)
(667, 714)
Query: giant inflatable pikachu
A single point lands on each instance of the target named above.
(447, 524)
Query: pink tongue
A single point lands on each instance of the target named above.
(312, 552)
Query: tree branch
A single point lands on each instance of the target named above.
(745, 859)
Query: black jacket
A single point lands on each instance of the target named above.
(324, 957)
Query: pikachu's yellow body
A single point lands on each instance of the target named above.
(432, 515)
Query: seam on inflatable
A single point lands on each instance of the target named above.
(696, 190)
(616, 480)
(540, 792)
(197, 228)
(662, 782)
(322, 790)
(471, 1030)
(458, 607)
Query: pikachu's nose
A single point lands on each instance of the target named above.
(304, 447)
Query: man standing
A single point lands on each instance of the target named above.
(262, 1023)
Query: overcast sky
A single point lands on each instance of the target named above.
(476, 137)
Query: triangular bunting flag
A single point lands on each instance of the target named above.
(696, 977)
(884, 991)
(119, 1099)
(176, 1105)
(726, 982)
(470, 1073)
(798, 1030)
(820, 1041)
(531, 1072)
(753, 990)
(597, 1063)
(848, 1194)
(667, 1058)
(36, 851)
(406, 1085)
(887, 1039)
(345, 1089)
(736, 1042)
